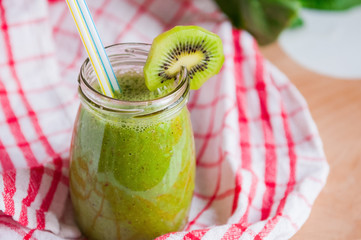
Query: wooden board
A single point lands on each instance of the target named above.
(335, 105)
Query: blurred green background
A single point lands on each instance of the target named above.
(266, 19)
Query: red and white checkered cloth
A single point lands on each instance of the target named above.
(260, 162)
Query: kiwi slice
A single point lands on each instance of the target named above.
(193, 47)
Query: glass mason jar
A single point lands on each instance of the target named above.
(132, 162)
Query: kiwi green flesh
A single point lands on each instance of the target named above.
(199, 50)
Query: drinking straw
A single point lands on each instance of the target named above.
(94, 47)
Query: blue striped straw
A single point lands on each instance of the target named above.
(94, 47)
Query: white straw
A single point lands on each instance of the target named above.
(94, 47)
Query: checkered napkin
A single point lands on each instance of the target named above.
(260, 163)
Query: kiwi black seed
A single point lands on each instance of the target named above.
(193, 47)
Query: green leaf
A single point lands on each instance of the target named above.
(264, 19)
(296, 23)
(330, 4)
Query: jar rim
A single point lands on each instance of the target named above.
(135, 52)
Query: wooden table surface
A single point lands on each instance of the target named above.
(335, 105)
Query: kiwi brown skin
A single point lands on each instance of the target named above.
(193, 47)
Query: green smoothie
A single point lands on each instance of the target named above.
(130, 177)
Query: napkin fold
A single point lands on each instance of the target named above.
(260, 162)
